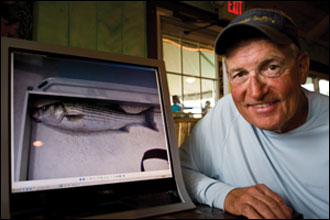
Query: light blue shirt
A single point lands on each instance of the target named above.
(224, 151)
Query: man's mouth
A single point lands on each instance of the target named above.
(264, 106)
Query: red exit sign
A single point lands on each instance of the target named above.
(235, 7)
(228, 10)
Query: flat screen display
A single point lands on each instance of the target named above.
(88, 122)
(89, 134)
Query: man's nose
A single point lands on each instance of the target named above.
(257, 87)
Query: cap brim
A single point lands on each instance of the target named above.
(231, 34)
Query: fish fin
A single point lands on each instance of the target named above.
(74, 117)
(149, 119)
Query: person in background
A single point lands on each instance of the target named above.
(206, 108)
(176, 106)
(263, 150)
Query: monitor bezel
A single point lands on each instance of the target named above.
(7, 44)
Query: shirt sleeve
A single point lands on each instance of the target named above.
(201, 187)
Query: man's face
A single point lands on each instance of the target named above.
(265, 83)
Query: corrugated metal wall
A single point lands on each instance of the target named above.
(113, 26)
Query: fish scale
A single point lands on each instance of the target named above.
(100, 112)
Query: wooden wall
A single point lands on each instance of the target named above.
(112, 26)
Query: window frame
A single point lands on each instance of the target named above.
(200, 47)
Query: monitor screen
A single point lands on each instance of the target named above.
(90, 134)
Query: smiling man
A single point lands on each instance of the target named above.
(265, 81)
(263, 150)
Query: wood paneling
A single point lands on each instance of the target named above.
(51, 25)
(110, 32)
(83, 24)
(117, 27)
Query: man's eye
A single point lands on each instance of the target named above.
(240, 74)
(273, 71)
(273, 67)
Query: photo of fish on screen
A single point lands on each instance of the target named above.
(82, 121)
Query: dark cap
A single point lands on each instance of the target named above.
(275, 25)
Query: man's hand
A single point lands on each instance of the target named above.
(257, 202)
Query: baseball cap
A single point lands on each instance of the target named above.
(275, 25)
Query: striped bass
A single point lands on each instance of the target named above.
(88, 117)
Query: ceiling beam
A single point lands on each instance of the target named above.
(319, 29)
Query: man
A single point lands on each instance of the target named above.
(176, 107)
(207, 108)
(263, 150)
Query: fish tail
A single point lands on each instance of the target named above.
(149, 119)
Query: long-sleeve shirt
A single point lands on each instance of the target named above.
(224, 151)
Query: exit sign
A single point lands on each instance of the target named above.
(235, 7)
(228, 10)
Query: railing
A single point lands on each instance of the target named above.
(183, 128)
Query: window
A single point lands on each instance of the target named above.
(191, 73)
(309, 84)
(314, 83)
(324, 86)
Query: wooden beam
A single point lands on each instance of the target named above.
(319, 29)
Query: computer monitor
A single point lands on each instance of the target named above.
(86, 134)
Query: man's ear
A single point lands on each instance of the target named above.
(303, 67)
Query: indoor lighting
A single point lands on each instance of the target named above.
(190, 80)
